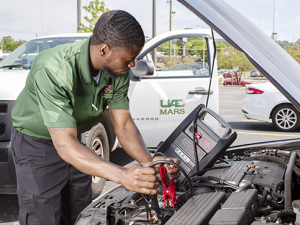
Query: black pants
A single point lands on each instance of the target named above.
(50, 190)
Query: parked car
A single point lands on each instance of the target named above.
(254, 73)
(202, 72)
(159, 100)
(233, 81)
(258, 185)
(229, 75)
(264, 102)
(220, 78)
(222, 71)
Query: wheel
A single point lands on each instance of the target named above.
(285, 118)
(97, 141)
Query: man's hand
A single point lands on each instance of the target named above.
(141, 179)
(173, 172)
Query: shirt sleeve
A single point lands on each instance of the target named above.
(53, 99)
(120, 98)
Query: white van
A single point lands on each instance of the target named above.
(159, 99)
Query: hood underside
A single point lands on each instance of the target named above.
(264, 53)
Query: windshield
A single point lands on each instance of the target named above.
(26, 53)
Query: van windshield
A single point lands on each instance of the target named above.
(24, 55)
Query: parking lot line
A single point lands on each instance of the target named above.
(282, 135)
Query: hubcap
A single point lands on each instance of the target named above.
(286, 118)
(97, 147)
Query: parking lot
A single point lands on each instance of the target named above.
(231, 97)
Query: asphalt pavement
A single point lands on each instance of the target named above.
(231, 98)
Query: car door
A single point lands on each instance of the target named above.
(160, 102)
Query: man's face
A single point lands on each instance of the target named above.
(120, 60)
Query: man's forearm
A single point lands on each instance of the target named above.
(136, 178)
(87, 161)
(133, 143)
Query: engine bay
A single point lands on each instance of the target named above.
(257, 187)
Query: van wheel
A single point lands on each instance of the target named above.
(285, 118)
(97, 141)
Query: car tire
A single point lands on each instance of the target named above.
(97, 141)
(285, 118)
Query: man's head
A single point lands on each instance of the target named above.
(117, 39)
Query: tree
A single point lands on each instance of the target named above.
(294, 51)
(230, 57)
(9, 44)
(96, 9)
(284, 43)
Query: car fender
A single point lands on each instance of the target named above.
(282, 103)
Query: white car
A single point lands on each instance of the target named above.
(264, 102)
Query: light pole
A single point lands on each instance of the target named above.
(154, 32)
(170, 29)
(42, 16)
(78, 14)
(203, 51)
(274, 35)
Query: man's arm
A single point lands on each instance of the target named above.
(132, 141)
(129, 135)
(136, 178)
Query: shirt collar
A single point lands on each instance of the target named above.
(84, 61)
(85, 65)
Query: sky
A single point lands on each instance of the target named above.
(27, 19)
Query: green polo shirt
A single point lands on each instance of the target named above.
(60, 92)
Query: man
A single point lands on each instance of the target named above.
(65, 96)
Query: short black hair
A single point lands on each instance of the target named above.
(118, 28)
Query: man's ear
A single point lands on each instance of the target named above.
(104, 49)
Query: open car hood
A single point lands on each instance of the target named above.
(264, 53)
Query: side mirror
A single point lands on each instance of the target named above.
(142, 68)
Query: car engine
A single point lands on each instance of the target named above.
(257, 187)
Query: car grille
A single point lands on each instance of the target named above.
(2, 129)
(3, 108)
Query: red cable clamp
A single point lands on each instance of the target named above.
(170, 198)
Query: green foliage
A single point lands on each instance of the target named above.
(221, 41)
(96, 9)
(284, 43)
(230, 57)
(294, 51)
(9, 44)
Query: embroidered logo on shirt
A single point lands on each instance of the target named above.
(107, 92)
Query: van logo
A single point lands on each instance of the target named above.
(170, 103)
(172, 107)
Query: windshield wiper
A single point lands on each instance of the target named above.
(16, 65)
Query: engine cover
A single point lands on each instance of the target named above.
(238, 209)
(198, 209)
(250, 172)
(234, 174)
